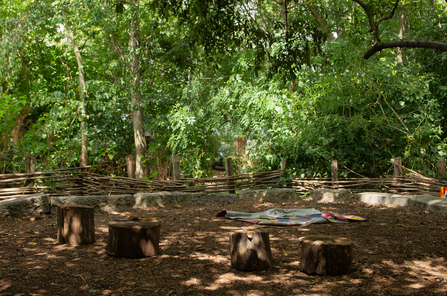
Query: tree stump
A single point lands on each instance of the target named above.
(250, 251)
(326, 255)
(135, 238)
(75, 224)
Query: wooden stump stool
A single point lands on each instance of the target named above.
(133, 238)
(75, 224)
(250, 251)
(326, 255)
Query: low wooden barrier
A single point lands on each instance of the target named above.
(79, 181)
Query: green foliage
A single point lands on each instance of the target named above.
(213, 72)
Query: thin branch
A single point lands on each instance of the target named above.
(368, 12)
(374, 24)
(376, 29)
(119, 50)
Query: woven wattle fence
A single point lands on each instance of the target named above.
(79, 181)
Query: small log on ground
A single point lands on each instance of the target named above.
(250, 251)
(134, 237)
(75, 224)
(326, 255)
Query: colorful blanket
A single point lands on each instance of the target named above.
(290, 217)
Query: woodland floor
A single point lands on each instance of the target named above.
(398, 251)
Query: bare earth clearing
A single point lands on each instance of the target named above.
(399, 251)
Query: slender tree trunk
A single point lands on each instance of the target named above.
(404, 27)
(321, 21)
(19, 129)
(284, 13)
(135, 92)
(83, 160)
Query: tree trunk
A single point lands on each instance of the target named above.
(404, 27)
(83, 159)
(321, 21)
(284, 13)
(135, 92)
(19, 129)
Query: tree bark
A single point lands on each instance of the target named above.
(321, 21)
(19, 129)
(404, 27)
(326, 255)
(83, 159)
(133, 238)
(374, 24)
(75, 224)
(135, 91)
(411, 44)
(250, 251)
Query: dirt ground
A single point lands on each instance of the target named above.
(398, 251)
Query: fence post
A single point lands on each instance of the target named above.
(283, 164)
(30, 167)
(334, 173)
(130, 166)
(229, 171)
(441, 168)
(397, 167)
(176, 167)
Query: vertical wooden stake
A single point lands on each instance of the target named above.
(334, 173)
(83, 175)
(229, 171)
(176, 167)
(30, 167)
(130, 166)
(397, 167)
(441, 168)
(283, 164)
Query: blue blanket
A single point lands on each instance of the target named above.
(290, 217)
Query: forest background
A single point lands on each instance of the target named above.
(90, 82)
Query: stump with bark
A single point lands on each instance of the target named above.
(134, 237)
(250, 251)
(326, 255)
(75, 224)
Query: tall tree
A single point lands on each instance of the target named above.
(131, 60)
(83, 160)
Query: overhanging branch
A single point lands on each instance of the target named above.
(412, 44)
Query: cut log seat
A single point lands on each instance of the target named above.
(75, 224)
(133, 238)
(250, 251)
(326, 255)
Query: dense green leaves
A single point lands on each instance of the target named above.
(288, 77)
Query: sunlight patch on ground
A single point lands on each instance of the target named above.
(229, 278)
(4, 285)
(285, 275)
(51, 240)
(63, 247)
(208, 257)
(416, 286)
(192, 281)
(102, 229)
(426, 270)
